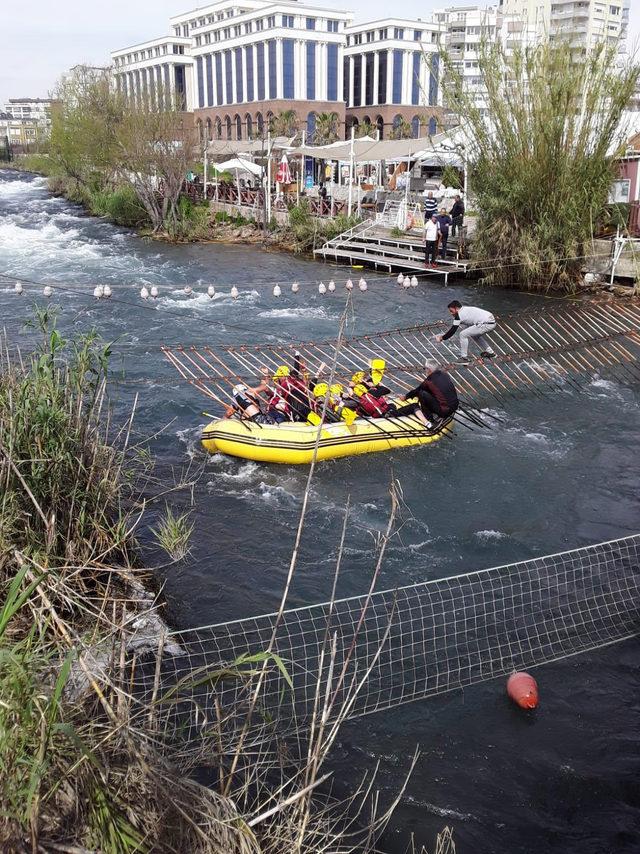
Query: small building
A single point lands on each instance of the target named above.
(626, 188)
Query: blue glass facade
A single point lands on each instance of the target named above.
(261, 86)
(250, 92)
(273, 70)
(415, 78)
(219, 78)
(239, 76)
(433, 79)
(398, 58)
(209, 65)
(181, 92)
(228, 76)
(346, 79)
(200, 70)
(332, 72)
(288, 89)
(311, 71)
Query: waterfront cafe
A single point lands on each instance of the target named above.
(342, 176)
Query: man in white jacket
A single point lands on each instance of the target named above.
(431, 232)
(473, 323)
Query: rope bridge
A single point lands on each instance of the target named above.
(536, 351)
(376, 652)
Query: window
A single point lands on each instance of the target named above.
(239, 80)
(382, 34)
(346, 80)
(398, 33)
(229, 13)
(209, 82)
(417, 35)
(198, 41)
(287, 21)
(271, 21)
(237, 30)
(332, 26)
(216, 36)
(398, 57)
(273, 70)
(219, 16)
(250, 93)
(201, 22)
(259, 25)
(311, 71)
(368, 85)
(415, 79)
(348, 40)
(287, 68)
(227, 32)
(207, 38)
(332, 72)
(200, 71)
(370, 36)
(228, 77)
(185, 31)
(357, 80)
(382, 77)
(261, 87)
(614, 10)
(248, 27)
(311, 23)
(357, 39)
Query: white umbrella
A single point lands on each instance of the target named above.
(239, 165)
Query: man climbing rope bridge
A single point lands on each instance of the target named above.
(474, 323)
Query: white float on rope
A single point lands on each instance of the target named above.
(154, 292)
(414, 281)
(18, 288)
(277, 291)
(322, 288)
(400, 278)
(107, 292)
(211, 292)
(234, 292)
(362, 285)
(295, 287)
(332, 286)
(349, 285)
(98, 291)
(47, 290)
(188, 291)
(406, 283)
(144, 293)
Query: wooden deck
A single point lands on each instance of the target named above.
(373, 245)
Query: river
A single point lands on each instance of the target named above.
(560, 472)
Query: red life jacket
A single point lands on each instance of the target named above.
(278, 401)
(372, 406)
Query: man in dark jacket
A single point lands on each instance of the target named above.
(444, 220)
(437, 396)
(457, 215)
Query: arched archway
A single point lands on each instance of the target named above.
(351, 122)
(311, 125)
(200, 129)
(433, 126)
(380, 126)
(227, 126)
(415, 127)
(366, 120)
(209, 130)
(260, 123)
(237, 121)
(249, 125)
(218, 128)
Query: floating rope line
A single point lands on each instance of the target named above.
(414, 642)
(536, 351)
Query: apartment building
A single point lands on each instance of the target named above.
(156, 71)
(391, 76)
(580, 23)
(32, 110)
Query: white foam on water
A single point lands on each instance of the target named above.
(19, 187)
(297, 313)
(487, 536)
(190, 437)
(202, 300)
(246, 472)
(416, 547)
(49, 242)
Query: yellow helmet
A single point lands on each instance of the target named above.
(281, 371)
(357, 377)
(337, 388)
(359, 389)
(320, 389)
(377, 369)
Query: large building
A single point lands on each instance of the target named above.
(35, 111)
(582, 24)
(237, 66)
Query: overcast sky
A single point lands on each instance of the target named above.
(42, 39)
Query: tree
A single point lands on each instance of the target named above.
(284, 124)
(402, 130)
(326, 130)
(540, 156)
(365, 129)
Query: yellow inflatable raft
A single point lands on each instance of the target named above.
(293, 443)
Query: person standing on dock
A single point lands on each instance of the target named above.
(457, 215)
(430, 206)
(431, 233)
(473, 323)
(444, 221)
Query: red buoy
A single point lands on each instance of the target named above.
(523, 690)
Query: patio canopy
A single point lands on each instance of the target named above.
(365, 149)
(236, 164)
(259, 147)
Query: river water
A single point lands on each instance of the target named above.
(560, 472)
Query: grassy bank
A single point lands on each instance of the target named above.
(86, 764)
